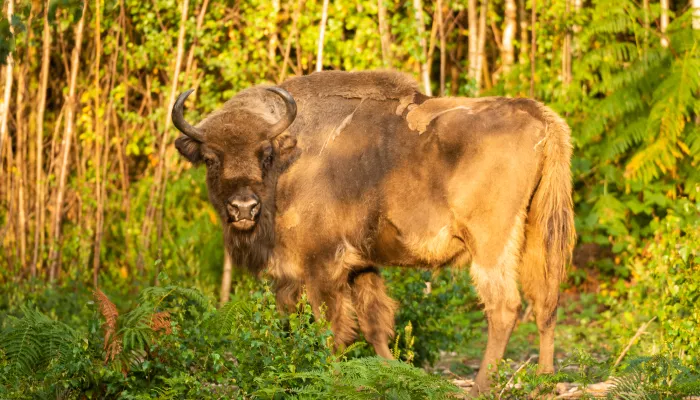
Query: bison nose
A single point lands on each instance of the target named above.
(243, 207)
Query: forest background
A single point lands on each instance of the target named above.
(93, 194)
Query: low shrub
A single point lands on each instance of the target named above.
(174, 343)
(665, 286)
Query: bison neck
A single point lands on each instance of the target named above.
(252, 250)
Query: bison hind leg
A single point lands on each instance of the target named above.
(374, 309)
(497, 287)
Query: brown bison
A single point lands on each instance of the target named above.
(321, 180)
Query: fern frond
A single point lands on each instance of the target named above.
(674, 102)
(157, 294)
(113, 343)
(31, 342)
(161, 321)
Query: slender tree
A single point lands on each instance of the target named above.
(99, 212)
(647, 24)
(509, 30)
(71, 102)
(663, 25)
(225, 291)
(5, 106)
(161, 175)
(480, 56)
(321, 35)
(191, 63)
(274, 37)
(21, 153)
(473, 26)
(533, 47)
(39, 209)
(384, 33)
(443, 45)
(420, 28)
(293, 32)
(524, 54)
(566, 50)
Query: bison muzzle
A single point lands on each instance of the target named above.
(322, 180)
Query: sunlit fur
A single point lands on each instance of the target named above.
(374, 173)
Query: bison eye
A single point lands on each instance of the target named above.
(267, 161)
(266, 156)
(209, 161)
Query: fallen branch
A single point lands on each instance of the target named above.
(634, 339)
(511, 378)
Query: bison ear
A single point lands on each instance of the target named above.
(288, 150)
(189, 148)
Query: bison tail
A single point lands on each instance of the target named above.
(551, 210)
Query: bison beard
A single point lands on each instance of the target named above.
(252, 250)
(372, 172)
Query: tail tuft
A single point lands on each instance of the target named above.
(552, 205)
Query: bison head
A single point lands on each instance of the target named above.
(245, 146)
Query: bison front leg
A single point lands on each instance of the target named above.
(335, 305)
(375, 310)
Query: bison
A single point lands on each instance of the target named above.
(323, 179)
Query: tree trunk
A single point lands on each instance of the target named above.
(431, 43)
(5, 106)
(454, 69)
(161, 174)
(20, 159)
(509, 36)
(566, 52)
(193, 46)
(664, 22)
(481, 44)
(274, 37)
(288, 46)
(71, 100)
(473, 27)
(524, 54)
(22, 156)
(696, 14)
(384, 33)
(443, 46)
(40, 210)
(420, 27)
(99, 213)
(321, 34)
(225, 292)
(533, 48)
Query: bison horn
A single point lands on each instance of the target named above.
(284, 122)
(179, 120)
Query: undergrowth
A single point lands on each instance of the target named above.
(175, 344)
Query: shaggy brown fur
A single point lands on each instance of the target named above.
(374, 173)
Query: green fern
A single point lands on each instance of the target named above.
(31, 342)
(158, 294)
(363, 378)
(655, 377)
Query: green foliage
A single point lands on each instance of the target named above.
(31, 342)
(631, 106)
(666, 285)
(656, 377)
(442, 319)
(245, 349)
(371, 378)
